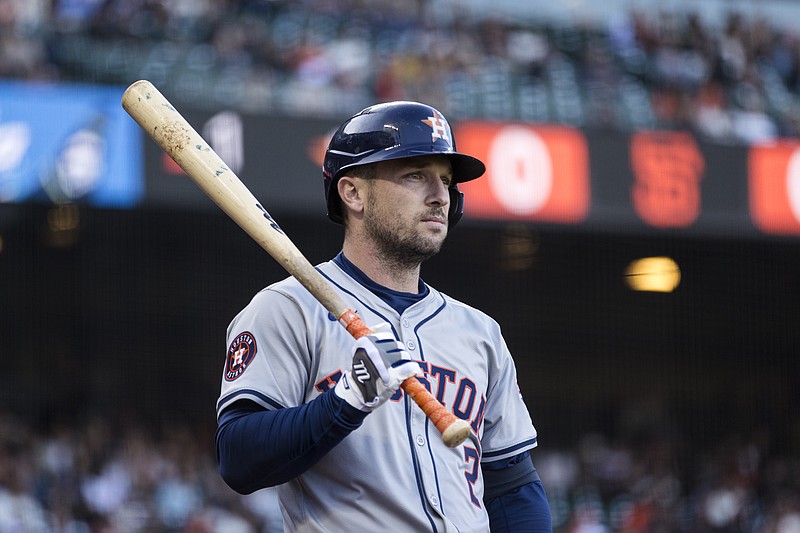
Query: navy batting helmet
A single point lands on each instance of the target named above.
(395, 130)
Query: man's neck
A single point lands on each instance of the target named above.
(401, 278)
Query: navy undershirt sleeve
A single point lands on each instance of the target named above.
(514, 496)
(258, 448)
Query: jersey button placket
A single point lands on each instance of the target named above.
(418, 420)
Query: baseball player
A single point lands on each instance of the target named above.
(307, 408)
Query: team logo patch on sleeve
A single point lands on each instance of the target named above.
(240, 354)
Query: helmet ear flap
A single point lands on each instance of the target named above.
(456, 206)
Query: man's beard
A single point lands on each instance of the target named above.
(398, 245)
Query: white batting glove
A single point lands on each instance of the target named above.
(380, 366)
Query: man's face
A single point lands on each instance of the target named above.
(405, 212)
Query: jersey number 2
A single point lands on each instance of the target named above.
(471, 456)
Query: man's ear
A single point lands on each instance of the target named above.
(351, 192)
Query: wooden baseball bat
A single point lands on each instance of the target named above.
(182, 143)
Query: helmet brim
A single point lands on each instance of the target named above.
(465, 167)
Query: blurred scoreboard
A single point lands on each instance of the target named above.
(68, 144)
(73, 143)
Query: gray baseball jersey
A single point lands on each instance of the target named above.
(394, 472)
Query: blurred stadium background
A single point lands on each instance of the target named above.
(636, 236)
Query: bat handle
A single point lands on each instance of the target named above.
(453, 429)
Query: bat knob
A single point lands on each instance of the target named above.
(456, 433)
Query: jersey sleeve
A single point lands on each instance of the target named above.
(267, 359)
(508, 428)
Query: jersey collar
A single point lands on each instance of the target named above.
(399, 301)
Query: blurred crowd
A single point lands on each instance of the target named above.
(99, 475)
(103, 475)
(669, 484)
(732, 81)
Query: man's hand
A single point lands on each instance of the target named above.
(380, 365)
